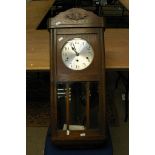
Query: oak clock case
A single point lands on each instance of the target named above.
(77, 79)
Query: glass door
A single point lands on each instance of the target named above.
(77, 105)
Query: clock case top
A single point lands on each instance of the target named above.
(77, 23)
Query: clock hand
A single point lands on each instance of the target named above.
(74, 49)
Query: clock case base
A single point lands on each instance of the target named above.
(79, 142)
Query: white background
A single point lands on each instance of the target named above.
(13, 77)
(142, 77)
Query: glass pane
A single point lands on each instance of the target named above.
(61, 105)
(94, 105)
(77, 106)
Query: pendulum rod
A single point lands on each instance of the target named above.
(87, 104)
(67, 105)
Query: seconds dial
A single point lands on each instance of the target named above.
(77, 54)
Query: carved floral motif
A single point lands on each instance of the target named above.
(76, 16)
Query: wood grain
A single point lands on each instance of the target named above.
(37, 57)
(35, 12)
(117, 48)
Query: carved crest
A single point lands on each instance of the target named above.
(76, 17)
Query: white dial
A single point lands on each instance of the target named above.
(77, 54)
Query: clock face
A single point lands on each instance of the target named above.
(77, 54)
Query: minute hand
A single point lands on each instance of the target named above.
(74, 49)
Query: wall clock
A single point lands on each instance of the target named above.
(77, 79)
